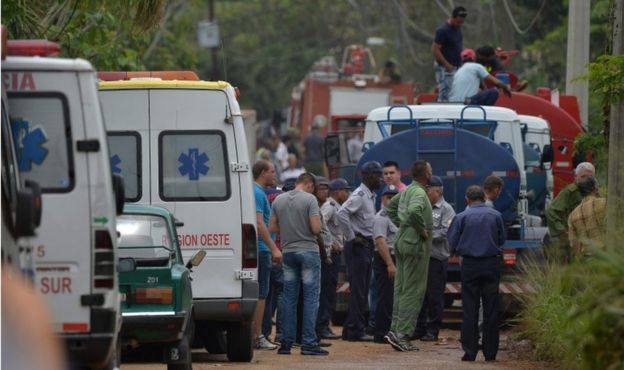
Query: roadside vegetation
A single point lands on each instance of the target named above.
(575, 317)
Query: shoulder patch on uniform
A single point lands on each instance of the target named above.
(383, 213)
(360, 193)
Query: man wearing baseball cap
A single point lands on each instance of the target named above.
(356, 218)
(338, 193)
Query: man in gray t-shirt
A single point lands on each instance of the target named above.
(296, 216)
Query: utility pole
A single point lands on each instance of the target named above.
(615, 205)
(578, 54)
(215, 50)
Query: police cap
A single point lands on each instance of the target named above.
(339, 183)
(435, 181)
(372, 167)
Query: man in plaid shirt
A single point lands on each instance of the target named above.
(587, 222)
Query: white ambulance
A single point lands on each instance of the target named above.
(180, 144)
(60, 142)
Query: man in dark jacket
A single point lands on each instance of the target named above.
(477, 235)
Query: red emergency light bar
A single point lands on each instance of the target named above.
(32, 48)
(163, 75)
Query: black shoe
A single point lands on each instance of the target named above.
(429, 338)
(465, 357)
(370, 330)
(314, 351)
(324, 344)
(328, 335)
(416, 335)
(363, 338)
(379, 339)
(488, 359)
(284, 349)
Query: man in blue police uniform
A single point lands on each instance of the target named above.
(477, 235)
(356, 218)
(339, 190)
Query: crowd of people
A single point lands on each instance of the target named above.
(402, 245)
(397, 248)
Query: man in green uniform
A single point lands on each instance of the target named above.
(559, 210)
(411, 211)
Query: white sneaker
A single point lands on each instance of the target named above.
(262, 343)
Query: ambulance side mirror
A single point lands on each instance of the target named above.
(197, 258)
(126, 264)
(120, 192)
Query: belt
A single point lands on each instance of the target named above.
(481, 258)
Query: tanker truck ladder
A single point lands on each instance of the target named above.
(450, 176)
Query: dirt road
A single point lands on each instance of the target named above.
(349, 355)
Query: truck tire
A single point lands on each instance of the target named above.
(240, 342)
(215, 342)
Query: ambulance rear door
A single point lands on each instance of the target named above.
(47, 123)
(126, 114)
(193, 152)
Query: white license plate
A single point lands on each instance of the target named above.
(246, 274)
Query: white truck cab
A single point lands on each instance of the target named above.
(502, 125)
(60, 143)
(536, 134)
(180, 144)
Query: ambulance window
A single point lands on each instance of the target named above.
(43, 140)
(193, 165)
(124, 148)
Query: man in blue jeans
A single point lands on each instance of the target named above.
(264, 176)
(296, 216)
(276, 284)
(446, 48)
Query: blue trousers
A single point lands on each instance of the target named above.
(485, 97)
(301, 268)
(385, 297)
(359, 272)
(273, 302)
(430, 317)
(327, 302)
(479, 281)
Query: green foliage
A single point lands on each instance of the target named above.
(576, 314)
(607, 77)
(594, 143)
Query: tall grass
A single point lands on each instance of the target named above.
(576, 314)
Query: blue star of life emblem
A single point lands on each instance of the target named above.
(28, 144)
(193, 164)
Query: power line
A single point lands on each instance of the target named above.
(513, 21)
